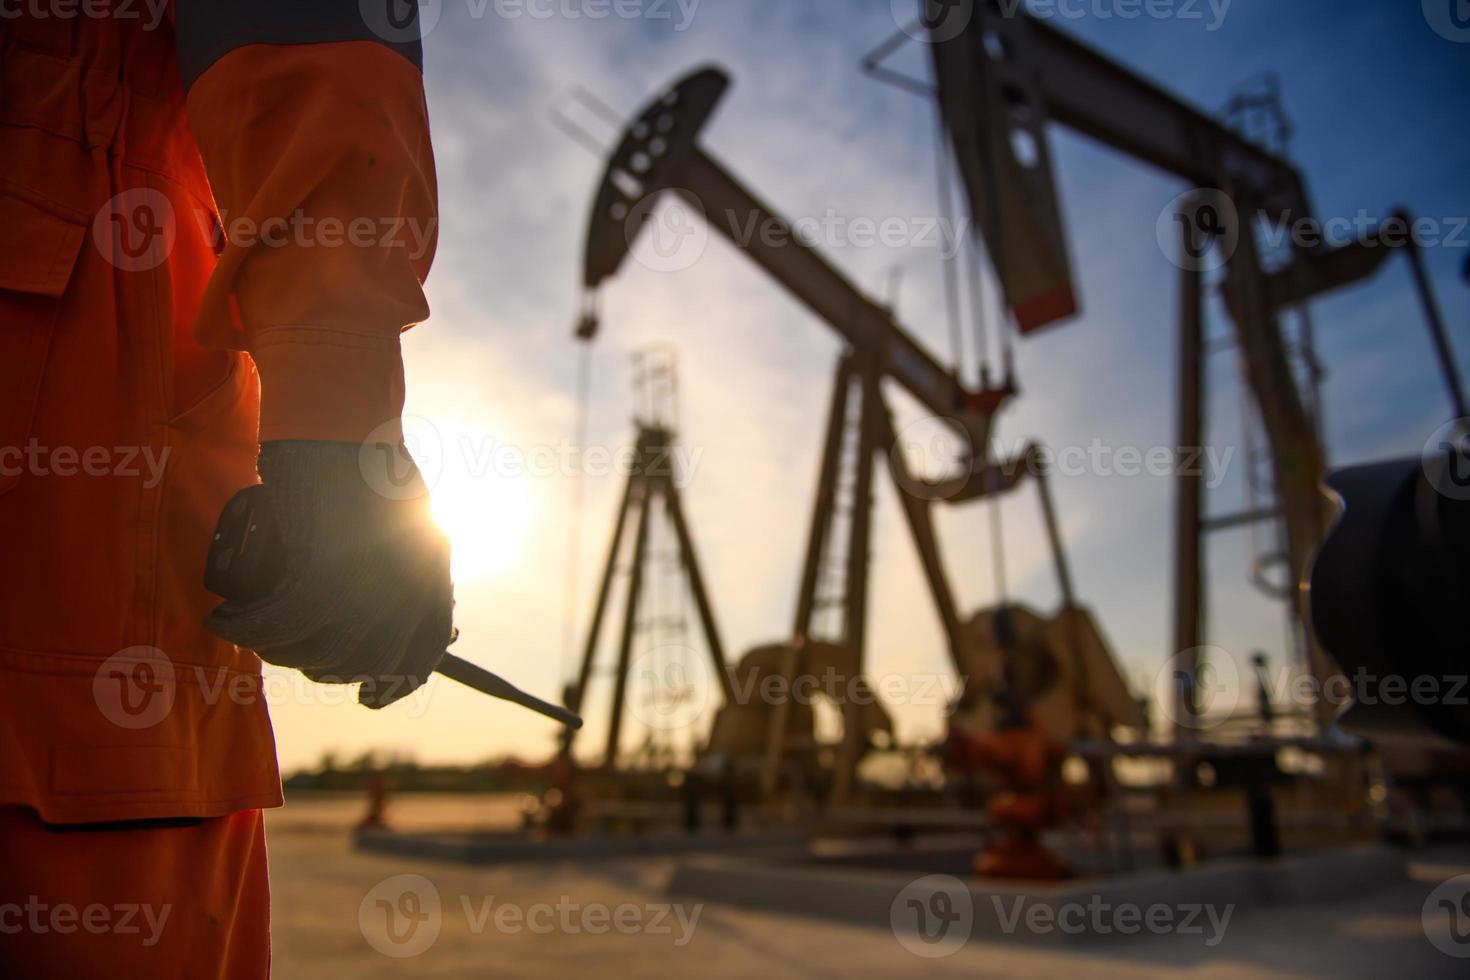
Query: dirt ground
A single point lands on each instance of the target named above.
(334, 909)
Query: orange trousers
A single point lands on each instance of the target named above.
(151, 900)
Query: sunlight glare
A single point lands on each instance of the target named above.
(486, 514)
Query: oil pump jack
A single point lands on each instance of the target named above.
(998, 82)
(659, 153)
(1001, 77)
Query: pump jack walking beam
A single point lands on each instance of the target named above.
(659, 153)
(1002, 78)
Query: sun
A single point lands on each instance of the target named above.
(486, 513)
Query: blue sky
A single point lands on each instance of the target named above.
(1379, 102)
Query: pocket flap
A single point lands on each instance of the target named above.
(40, 246)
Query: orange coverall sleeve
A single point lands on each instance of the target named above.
(319, 159)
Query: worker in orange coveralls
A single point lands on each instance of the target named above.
(207, 255)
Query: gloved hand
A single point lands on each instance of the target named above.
(365, 594)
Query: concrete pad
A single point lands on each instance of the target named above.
(512, 848)
(319, 881)
(1074, 911)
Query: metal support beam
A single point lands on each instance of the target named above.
(1244, 518)
(821, 529)
(630, 622)
(822, 507)
(918, 510)
(589, 651)
(872, 420)
(1437, 332)
(1188, 495)
(1054, 534)
(1296, 454)
(690, 560)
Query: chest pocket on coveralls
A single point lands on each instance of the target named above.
(38, 251)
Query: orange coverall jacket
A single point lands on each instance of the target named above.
(128, 412)
(213, 229)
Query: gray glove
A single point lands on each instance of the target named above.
(365, 595)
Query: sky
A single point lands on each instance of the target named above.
(1378, 98)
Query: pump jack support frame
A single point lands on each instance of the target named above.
(877, 440)
(651, 478)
